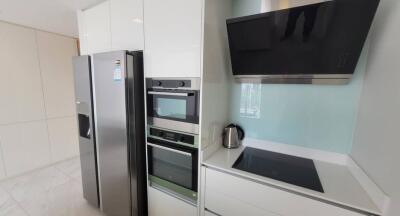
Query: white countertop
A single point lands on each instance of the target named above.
(340, 186)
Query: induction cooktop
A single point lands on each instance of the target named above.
(290, 169)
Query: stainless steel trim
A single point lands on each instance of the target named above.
(168, 93)
(300, 76)
(173, 125)
(318, 79)
(195, 82)
(169, 149)
(293, 192)
(275, 5)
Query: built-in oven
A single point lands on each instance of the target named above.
(174, 103)
(173, 162)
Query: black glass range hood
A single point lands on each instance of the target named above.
(316, 43)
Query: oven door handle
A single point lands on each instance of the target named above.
(170, 93)
(169, 149)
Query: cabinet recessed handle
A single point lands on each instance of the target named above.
(170, 93)
(169, 149)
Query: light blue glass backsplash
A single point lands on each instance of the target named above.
(314, 116)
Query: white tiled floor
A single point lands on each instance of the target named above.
(52, 191)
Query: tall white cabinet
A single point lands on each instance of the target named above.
(96, 29)
(111, 25)
(173, 38)
(178, 41)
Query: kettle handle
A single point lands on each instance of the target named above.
(240, 130)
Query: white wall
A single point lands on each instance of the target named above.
(376, 145)
(37, 112)
(217, 74)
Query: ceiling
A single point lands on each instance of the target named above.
(58, 16)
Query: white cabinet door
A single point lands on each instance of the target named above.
(235, 196)
(97, 25)
(173, 35)
(162, 204)
(127, 24)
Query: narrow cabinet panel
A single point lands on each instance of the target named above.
(173, 35)
(83, 44)
(127, 24)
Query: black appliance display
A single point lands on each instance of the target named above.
(173, 162)
(290, 169)
(174, 103)
(317, 41)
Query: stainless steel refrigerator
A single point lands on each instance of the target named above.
(117, 87)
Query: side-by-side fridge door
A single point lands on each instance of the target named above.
(87, 142)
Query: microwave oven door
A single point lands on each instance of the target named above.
(175, 110)
(173, 169)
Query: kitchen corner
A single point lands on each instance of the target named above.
(342, 189)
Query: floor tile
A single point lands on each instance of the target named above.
(63, 200)
(55, 190)
(34, 184)
(8, 206)
(71, 167)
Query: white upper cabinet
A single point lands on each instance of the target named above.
(97, 28)
(111, 25)
(127, 24)
(173, 38)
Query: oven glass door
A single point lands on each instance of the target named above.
(173, 167)
(177, 105)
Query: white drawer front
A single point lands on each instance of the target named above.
(229, 195)
(225, 205)
(162, 204)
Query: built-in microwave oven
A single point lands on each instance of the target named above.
(174, 103)
(173, 162)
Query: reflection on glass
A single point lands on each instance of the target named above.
(310, 14)
(250, 100)
(172, 167)
(173, 108)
